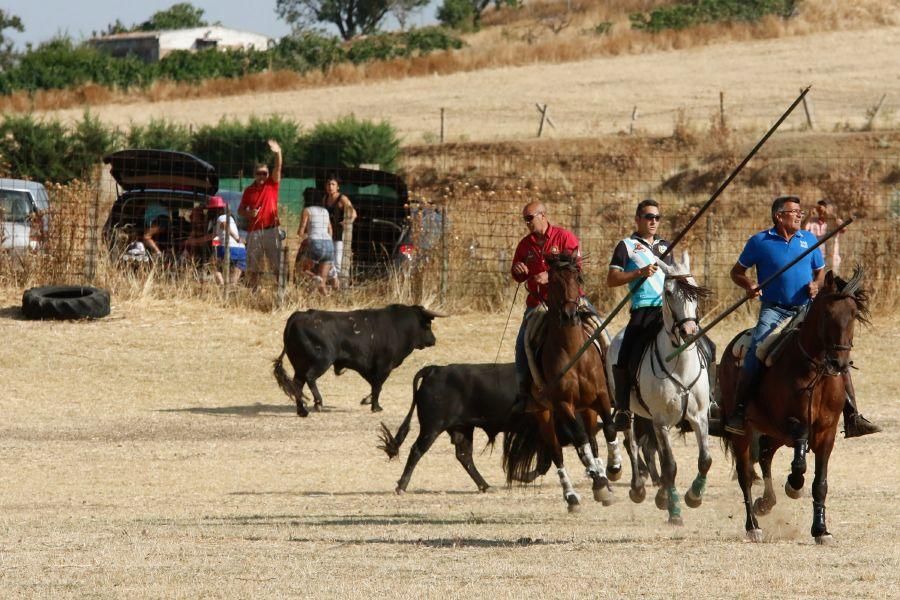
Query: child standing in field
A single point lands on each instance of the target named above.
(227, 235)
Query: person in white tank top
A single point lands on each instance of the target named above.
(316, 254)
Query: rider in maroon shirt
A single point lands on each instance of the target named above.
(530, 268)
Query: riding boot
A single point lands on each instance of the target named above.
(523, 395)
(622, 382)
(855, 424)
(745, 390)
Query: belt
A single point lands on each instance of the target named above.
(785, 306)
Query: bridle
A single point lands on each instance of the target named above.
(828, 365)
(673, 332)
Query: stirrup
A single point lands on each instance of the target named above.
(622, 419)
(736, 420)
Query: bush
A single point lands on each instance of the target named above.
(159, 133)
(49, 151)
(307, 51)
(696, 12)
(39, 150)
(457, 14)
(349, 142)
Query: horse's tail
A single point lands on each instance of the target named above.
(391, 443)
(524, 451)
(287, 384)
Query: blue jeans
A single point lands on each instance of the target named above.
(770, 317)
(521, 357)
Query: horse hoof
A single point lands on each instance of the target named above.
(399, 491)
(366, 400)
(573, 502)
(614, 473)
(755, 535)
(485, 489)
(691, 500)
(376, 408)
(637, 495)
(824, 540)
(603, 494)
(317, 408)
(761, 507)
(662, 499)
(676, 520)
(791, 492)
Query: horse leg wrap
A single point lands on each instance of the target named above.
(798, 465)
(699, 485)
(818, 524)
(674, 504)
(613, 455)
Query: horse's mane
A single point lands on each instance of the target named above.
(852, 288)
(562, 262)
(691, 291)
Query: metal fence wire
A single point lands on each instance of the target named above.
(445, 229)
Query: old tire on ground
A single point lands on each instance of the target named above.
(65, 302)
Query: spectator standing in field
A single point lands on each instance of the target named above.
(316, 255)
(340, 211)
(818, 225)
(226, 232)
(259, 205)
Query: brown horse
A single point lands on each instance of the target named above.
(569, 405)
(800, 400)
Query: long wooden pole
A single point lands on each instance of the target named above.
(684, 231)
(760, 286)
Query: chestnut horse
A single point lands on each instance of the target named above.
(569, 403)
(800, 400)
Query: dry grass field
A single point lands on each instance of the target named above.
(849, 70)
(150, 454)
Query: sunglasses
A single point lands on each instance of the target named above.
(651, 216)
(262, 173)
(795, 211)
(530, 218)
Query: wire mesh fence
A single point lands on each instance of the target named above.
(445, 230)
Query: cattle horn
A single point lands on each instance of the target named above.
(435, 313)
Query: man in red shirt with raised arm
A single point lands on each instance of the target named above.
(529, 267)
(259, 205)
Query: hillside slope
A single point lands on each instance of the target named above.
(849, 72)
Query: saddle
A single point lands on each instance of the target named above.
(771, 347)
(536, 333)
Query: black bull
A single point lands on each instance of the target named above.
(457, 399)
(372, 342)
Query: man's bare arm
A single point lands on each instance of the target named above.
(276, 170)
(739, 277)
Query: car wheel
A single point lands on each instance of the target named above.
(65, 302)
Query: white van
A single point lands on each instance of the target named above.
(24, 214)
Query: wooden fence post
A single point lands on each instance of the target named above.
(722, 109)
(442, 125)
(873, 112)
(445, 255)
(634, 115)
(347, 258)
(808, 109)
(542, 108)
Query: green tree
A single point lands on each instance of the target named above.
(183, 15)
(351, 17)
(7, 54)
(466, 14)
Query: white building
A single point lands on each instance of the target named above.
(150, 46)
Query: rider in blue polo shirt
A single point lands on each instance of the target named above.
(769, 251)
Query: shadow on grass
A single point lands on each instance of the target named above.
(455, 542)
(355, 521)
(248, 410)
(13, 313)
(319, 494)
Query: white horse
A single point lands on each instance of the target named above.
(670, 392)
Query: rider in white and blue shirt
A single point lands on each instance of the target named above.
(769, 251)
(633, 258)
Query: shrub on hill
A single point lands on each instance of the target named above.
(697, 12)
(47, 150)
(60, 63)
